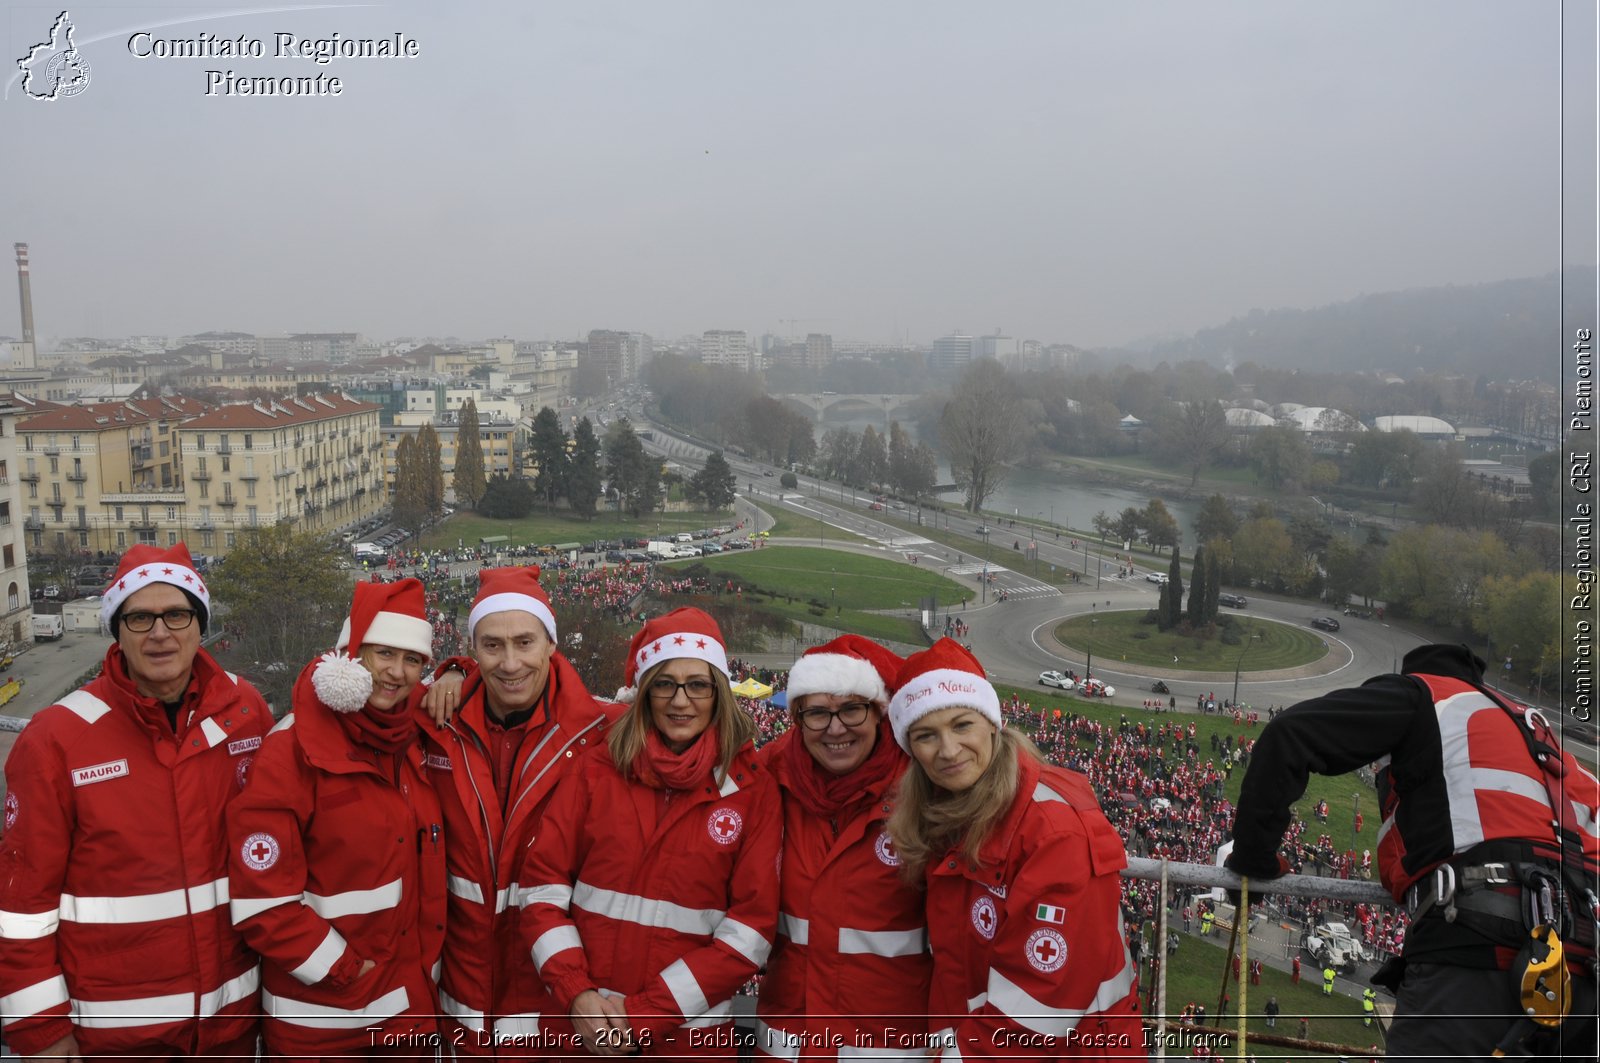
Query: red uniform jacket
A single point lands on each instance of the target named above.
(113, 869)
(1030, 957)
(668, 903)
(850, 966)
(485, 999)
(333, 864)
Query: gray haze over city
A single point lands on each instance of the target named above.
(1087, 173)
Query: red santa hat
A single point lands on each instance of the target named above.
(685, 632)
(145, 564)
(944, 676)
(502, 590)
(383, 614)
(849, 664)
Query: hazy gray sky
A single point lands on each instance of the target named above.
(1067, 171)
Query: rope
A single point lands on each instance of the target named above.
(1222, 994)
(1241, 914)
(1161, 964)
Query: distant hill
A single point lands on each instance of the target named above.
(1505, 329)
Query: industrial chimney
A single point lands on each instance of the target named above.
(24, 353)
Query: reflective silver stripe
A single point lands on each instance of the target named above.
(243, 908)
(213, 731)
(946, 1037)
(321, 960)
(1584, 820)
(794, 928)
(28, 926)
(556, 939)
(521, 1027)
(852, 1052)
(86, 705)
(974, 1003)
(1024, 1010)
(644, 911)
(355, 902)
(283, 724)
(1510, 782)
(888, 943)
(145, 908)
(711, 1016)
(465, 888)
(686, 992)
(1455, 715)
(31, 1000)
(1041, 792)
(776, 1043)
(555, 893)
(322, 1017)
(745, 940)
(471, 1018)
(231, 992)
(142, 1011)
(437, 970)
(728, 787)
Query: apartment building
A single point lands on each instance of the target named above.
(14, 607)
(498, 440)
(315, 461)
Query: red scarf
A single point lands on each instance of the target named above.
(823, 793)
(661, 769)
(385, 730)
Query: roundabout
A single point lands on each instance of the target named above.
(1249, 645)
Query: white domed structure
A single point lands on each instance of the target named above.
(1431, 427)
(1323, 419)
(1239, 417)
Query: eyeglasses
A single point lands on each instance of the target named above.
(697, 689)
(175, 619)
(851, 714)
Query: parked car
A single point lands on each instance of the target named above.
(1325, 623)
(615, 556)
(1055, 679)
(1156, 577)
(1238, 601)
(1096, 688)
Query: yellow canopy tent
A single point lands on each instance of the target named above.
(751, 688)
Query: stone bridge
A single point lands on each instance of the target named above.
(826, 405)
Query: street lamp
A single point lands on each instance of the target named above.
(1088, 664)
(1238, 665)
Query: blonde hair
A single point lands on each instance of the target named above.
(735, 729)
(928, 822)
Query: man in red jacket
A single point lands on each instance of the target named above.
(115, 935)
(524, 718)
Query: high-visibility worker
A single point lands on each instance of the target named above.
(1327, 981)
(1207, 920)
(1369, 1004)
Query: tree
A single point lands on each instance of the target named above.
(980, 431)
(1193, 435)
(430, 471)
(872, 461)
(584, 471)
(789, 480)
(548, 448)
(470, 482)
(506, 498)
(1104, 523)
(635, 476)
(715, 486)
(410, 499)
(836, 457)
(285, 597)
(1198, 589)
(1174, 589)
(1129, 521)
(1215, 520)
(1280, 457)
(1521, 616)
(1160, 527)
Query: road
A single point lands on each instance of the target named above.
(48, 670)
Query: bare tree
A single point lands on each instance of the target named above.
(981, 432)
(1194, 434)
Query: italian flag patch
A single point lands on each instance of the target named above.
(1047, 913)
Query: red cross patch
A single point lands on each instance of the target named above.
(725, 826)
(1047, 951)
(12, 808)
(885, 849)
(259, 851)
(985, 917)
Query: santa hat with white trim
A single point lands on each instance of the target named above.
(501, 590)
(944, 676)
(383, 614)
(145, 564)
(685, 632)
(849, 664)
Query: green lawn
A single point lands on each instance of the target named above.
(786, 525)
(1121, 637)
(870, 596)
(562, 527)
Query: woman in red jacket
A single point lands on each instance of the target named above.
(338, 874)
(850, 966)
(650, 894)
(1021, 866)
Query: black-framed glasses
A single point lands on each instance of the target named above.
(851, 714)
(175, 619)
(667, 689)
